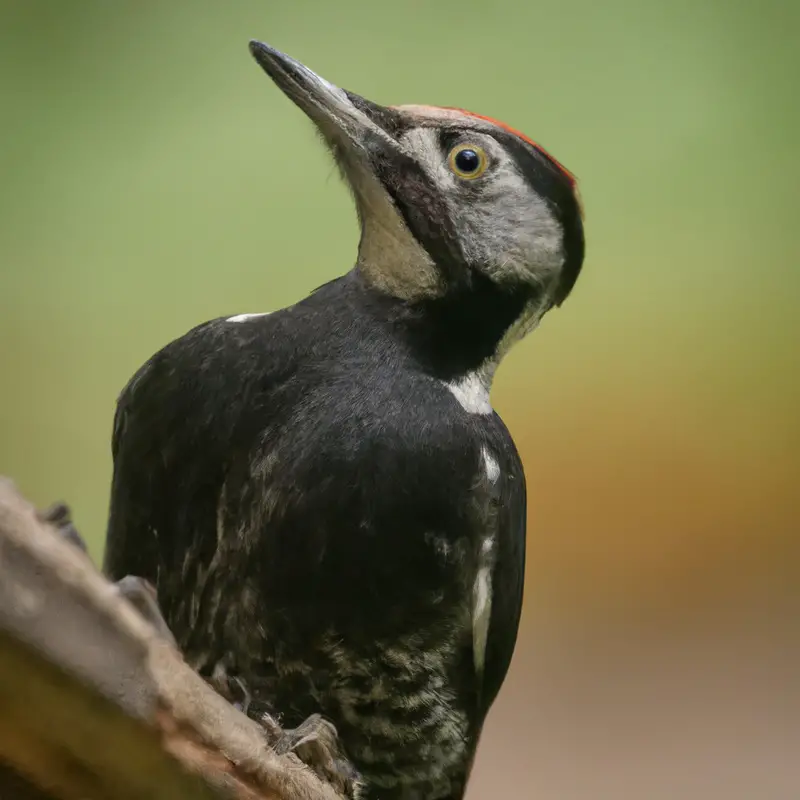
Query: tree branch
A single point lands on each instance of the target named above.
(93, 704)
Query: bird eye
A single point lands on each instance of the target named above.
(468, 161)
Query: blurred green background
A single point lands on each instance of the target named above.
(152, 177)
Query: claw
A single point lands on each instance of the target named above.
(315, 742)
(235, 691)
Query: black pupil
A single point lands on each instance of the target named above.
(467, 160)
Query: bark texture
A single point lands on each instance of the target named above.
(95, 706)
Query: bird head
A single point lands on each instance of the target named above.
(447, 199)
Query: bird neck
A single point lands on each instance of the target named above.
(465, 330)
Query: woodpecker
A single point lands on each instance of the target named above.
(329, 508)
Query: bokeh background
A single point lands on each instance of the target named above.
(151, 177)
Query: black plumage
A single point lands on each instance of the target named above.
(326, 504)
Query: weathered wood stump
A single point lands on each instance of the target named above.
(95, 706)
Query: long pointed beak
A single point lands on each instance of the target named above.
(342, 117)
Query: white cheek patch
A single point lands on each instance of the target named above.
(505, 224)
(245, 317)
(513, 229)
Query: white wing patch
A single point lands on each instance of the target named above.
(482, 588)
(245, 317)
(481, 612)
(492, 467)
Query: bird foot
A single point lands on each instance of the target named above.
(315, 742)
(137, 591)
(235, 691)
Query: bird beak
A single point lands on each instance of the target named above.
(347, 121)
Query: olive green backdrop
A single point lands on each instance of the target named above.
(152, 177)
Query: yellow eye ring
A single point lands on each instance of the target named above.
(468, 161)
